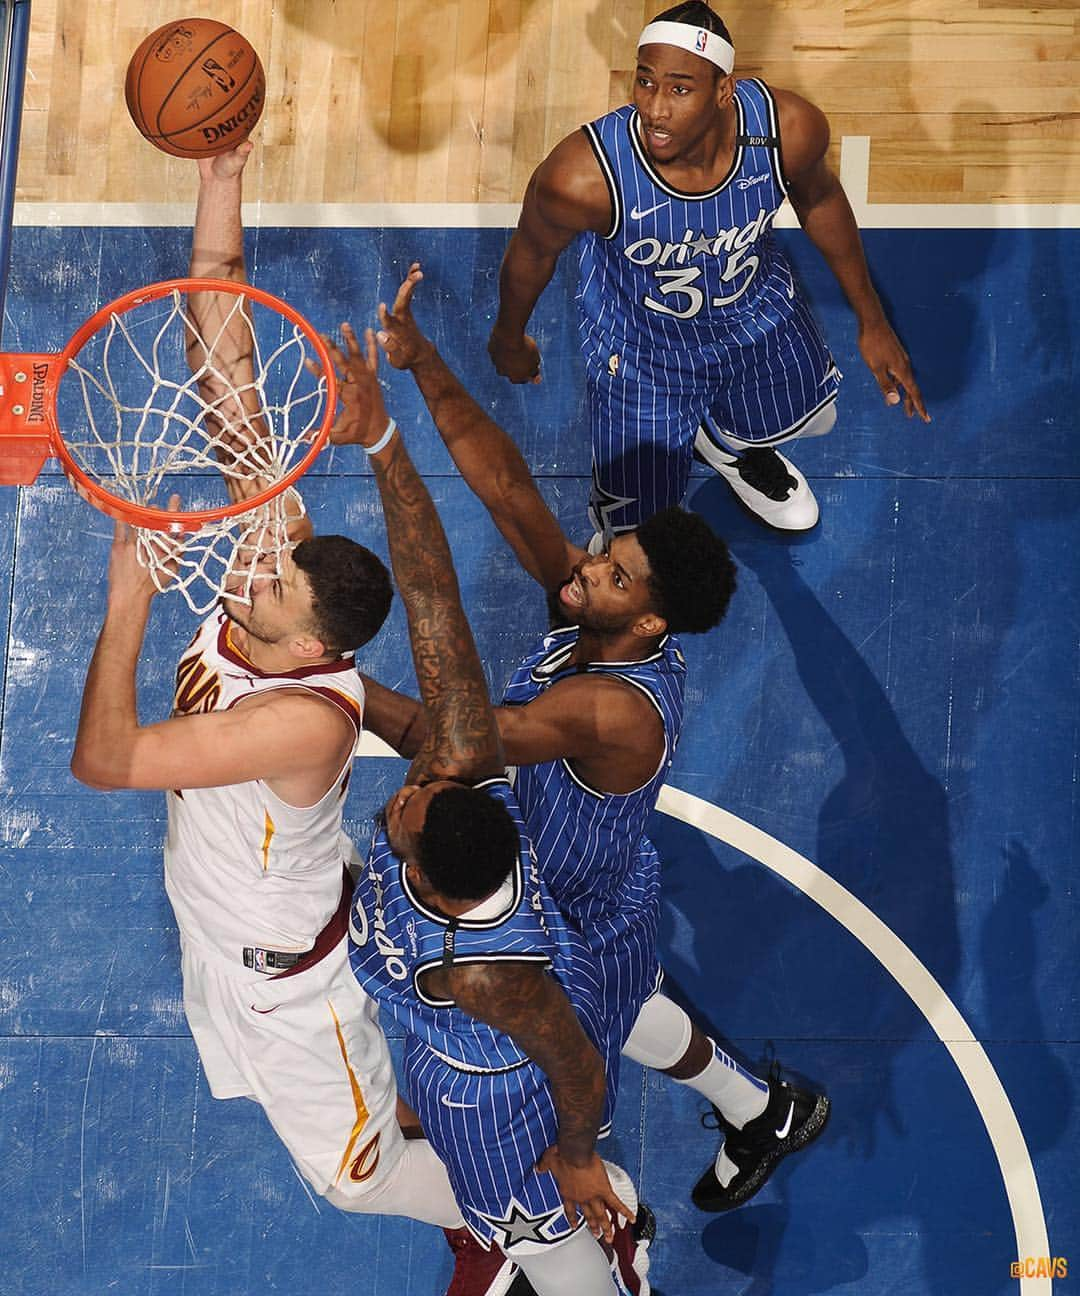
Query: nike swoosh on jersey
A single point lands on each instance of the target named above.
(459, 1106)
(640, 215)
(785, 1129)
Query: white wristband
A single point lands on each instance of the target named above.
(383, 441)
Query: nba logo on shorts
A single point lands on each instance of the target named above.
(260, 960)
(702, 39)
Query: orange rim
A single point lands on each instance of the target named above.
(157, 519)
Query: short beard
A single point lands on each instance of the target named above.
(249, 627)
(598, 623)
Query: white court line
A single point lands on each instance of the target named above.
(1006, 1138)
(854, 172)
(991, 1100)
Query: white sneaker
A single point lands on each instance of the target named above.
(769, 485)
(628, 1256)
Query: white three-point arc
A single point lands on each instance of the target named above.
(1006, 1138)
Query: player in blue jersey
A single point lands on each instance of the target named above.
(453, 933)
(696, 336)
(591, 719)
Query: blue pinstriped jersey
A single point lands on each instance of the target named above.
(691, 269)
(594, 855)
(394, 938)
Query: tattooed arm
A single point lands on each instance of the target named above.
(529, 1005)
(462, 739)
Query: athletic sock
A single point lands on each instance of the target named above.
(733, 1091)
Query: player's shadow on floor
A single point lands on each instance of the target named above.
(885, 809)
(1014, 925)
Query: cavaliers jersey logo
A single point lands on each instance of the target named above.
(198, 688)
(366, 1161)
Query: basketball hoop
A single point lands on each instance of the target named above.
(147, 398)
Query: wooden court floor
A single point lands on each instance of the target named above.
(406, 101)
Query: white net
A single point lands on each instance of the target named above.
(215, 402)
(234, 551)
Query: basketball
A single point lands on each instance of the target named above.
(195, 88)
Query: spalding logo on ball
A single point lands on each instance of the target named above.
(195, 88)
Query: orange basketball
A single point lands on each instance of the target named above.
(195, 88)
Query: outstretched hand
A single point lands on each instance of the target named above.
(399, 334)
(586, 1189)
(226, 166)
(363, 418)
(890, 364)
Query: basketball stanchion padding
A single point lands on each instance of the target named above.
(140, 404)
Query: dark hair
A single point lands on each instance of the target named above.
(468, 843)
(696, 14)
(350, 590)
(691, 574)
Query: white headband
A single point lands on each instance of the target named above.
(695, 40)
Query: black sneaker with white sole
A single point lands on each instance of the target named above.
(766, 483)
(791, 1119)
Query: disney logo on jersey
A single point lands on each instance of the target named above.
(359, 929)
(678, 290)
(748, 182)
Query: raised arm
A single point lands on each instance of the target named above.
(566, 195)
(220, 342)
(486, 457)
(825, 214)
(220, 346)
(462, 739)
(291, 740)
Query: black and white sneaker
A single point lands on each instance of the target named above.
(791, 1119)
(766, 483)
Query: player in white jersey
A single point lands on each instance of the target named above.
(594, 716)
(696, 337)
(255, 760)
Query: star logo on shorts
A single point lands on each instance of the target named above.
(602, 504)
(519, 1226)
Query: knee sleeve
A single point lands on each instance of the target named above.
(576, 1265)
(661, 1034)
